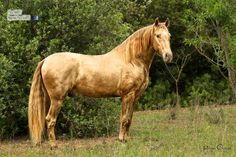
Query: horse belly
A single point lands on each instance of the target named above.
(97, 86)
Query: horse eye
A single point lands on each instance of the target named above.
(158, 36)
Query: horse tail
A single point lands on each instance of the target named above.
(37, 106)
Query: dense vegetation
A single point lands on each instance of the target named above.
(203, 42)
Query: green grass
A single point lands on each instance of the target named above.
(152, 134)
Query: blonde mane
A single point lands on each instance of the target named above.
(136, 45)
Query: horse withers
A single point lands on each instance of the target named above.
(122, 72)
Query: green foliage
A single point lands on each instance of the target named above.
(210, 29)
(158, 96)
(89, 117)
(205, 90)
(233, 48)
(11, 110)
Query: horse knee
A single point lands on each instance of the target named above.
(126, 121)
(50, 122)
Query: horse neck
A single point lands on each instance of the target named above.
(137, 47)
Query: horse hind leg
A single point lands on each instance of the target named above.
(51, 119)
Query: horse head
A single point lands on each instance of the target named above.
(161, 40)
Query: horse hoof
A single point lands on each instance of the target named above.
(53, 145)
(36, 144)
(122, 140)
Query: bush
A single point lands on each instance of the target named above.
(89, 117)
(157, 97)
(205, 90)
(11, 111)
(215, 115)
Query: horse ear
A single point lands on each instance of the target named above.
(167, 22)
(157, 21)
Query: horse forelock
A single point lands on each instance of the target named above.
(162, 27)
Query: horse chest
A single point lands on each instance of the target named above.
(135, 79)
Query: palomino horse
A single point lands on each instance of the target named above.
(121, 72)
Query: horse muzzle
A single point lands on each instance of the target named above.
(167, 57)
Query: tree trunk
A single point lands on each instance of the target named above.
(232, 79)
(177, 105)
(224, 43)
(174, 110)
(230, 69)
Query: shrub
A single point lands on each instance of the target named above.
(214, 115)
(11, 111)
(89, 117)
(206, 90)
(157, 96)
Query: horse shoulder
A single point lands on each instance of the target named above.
(133, 78)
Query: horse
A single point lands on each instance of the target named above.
(122, 72)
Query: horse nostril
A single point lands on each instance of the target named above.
(166, 55)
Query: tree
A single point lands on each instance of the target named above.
(210, 27)
(179, 64)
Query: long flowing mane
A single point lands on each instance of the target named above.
(136, 44)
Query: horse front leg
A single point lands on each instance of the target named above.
(51, 119)
(126, 115)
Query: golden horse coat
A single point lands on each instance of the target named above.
(121, 72)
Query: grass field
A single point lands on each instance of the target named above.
(203, 131)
